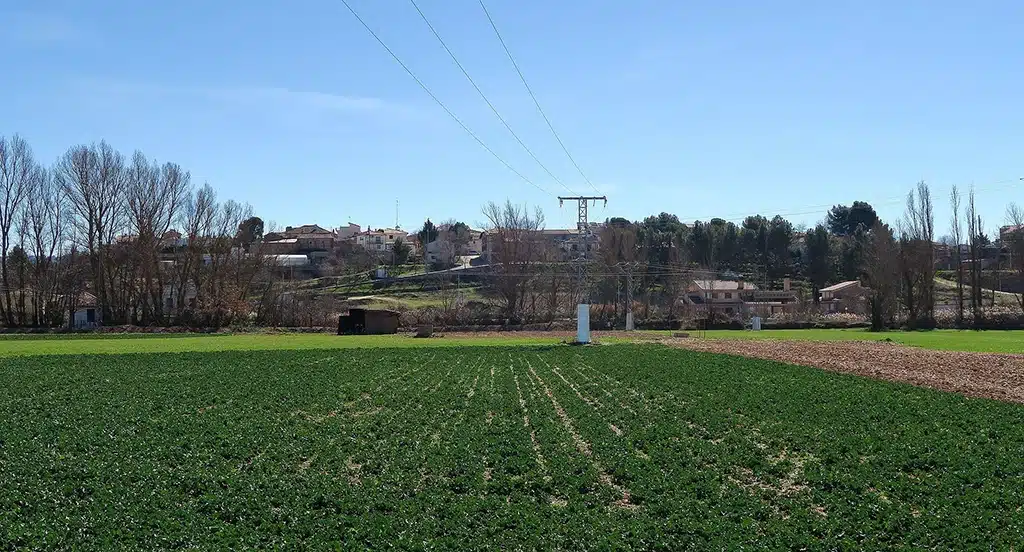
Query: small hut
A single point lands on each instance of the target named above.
(368, 321)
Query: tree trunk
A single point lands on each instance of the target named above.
(6, 307)
(959, 290)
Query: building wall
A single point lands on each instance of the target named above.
(317, 243)
(346, 232)
(368, 322)
(380, 241)
(278, 248)
(81, 319)
(853, 300)
(381, 322)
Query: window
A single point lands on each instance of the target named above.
(728, 296)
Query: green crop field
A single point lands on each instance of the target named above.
(71, 344)
(542, 447)
(988, 341)
(35, 345)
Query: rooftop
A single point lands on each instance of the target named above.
(841, 285)
(288, 260)
(370, 231)
(723, 285)
(86, 299)
(306, 229)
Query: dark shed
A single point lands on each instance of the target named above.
(368, 321)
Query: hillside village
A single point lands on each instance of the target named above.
(392, 256)
(310, 252)
(101, 239)
(304, 252)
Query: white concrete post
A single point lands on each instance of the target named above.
(583, 323)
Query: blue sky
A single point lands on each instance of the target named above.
(697, 108)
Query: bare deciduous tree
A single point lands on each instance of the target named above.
(676, 279)
(956, 229)
(195, 221)
(1015, 239)
(917, 248)
(18, 172)
(222, 273)
(974, 229)
(515, 244)
(554, 280)
(154, 197)
(45, 220)
(93, 179)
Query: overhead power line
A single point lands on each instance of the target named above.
(536, 102)
(440, 103)
(484, 96)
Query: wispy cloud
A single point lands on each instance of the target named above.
(286, 103)
(262, 96)
(41, 28)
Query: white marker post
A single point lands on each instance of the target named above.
(583, 323)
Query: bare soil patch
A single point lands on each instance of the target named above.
(566, 335)
(985, 375)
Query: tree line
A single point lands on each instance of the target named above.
(153, 248)
(98, 221)
(658, 256)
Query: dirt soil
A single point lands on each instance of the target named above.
(987, 375)
(565, 335)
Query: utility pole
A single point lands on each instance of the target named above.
(628, 268)
(629, 297)
(580, 263)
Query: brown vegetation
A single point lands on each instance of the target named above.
(986, 375)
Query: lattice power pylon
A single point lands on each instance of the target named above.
(582, 238)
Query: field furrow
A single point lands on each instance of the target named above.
(582, 444)
(537, 454)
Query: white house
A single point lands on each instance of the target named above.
(443, 247)
(87, 315)
(382, 239)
